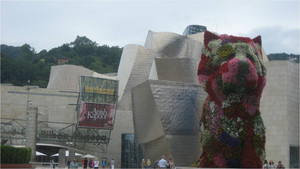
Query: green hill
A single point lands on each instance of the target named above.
(20, 64)
(283, 56)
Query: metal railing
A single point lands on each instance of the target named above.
(64, 134)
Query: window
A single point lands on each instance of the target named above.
(294, 157)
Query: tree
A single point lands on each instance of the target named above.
(18, 64)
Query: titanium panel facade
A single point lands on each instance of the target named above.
(166, 109)
(166, 119)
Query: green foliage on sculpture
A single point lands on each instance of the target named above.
(231, 71)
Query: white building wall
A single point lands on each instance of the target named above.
(293, 106)
(293, 102)
(280, 109)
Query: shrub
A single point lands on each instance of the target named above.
(13, 155)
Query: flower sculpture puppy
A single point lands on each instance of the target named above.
(231, 71)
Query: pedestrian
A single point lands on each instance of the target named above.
(68, 164)
(163, 162)
(280, 165)
(148, 163)
(74, 164)
(155, 164)
(143, 164)
(91, 164)
(103, 163)
(52, 165)
(171, 163)
(271, 165)
(85, 163)
(112, 163)
(265, 166)
(96, 163)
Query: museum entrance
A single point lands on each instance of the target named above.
(131, 155)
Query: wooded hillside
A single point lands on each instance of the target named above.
(20, 64)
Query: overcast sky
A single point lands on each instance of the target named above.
(48, 24)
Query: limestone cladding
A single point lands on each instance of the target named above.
(280, 109)
(65, 77)
(52, 104)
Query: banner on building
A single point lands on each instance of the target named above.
(96, 115)
(98, 90)
(98, 98)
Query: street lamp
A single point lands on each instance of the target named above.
(27, 109)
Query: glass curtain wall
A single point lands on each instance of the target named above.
(132, 155)
(294, 157)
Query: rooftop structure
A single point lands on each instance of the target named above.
(193, 29)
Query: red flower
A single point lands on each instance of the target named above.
(260, 85)
(208, 36)
(203, 67)
(224, 68)
(235, 39)
(250, 158)
(205, 162)
(214, 96)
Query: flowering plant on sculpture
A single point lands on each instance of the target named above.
(231, 71)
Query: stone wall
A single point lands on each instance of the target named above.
(280, 109)
(52, 104)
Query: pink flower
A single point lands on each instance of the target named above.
(220, 161)
(250, 103)
(202, 78)
(231, 75)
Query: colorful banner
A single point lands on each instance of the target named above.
(98, 90)
(98, 98)
(96, 115)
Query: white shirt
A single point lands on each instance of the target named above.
(112, 162)
(162, 163)
(96, 163)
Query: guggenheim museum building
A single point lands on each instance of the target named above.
(157, 112)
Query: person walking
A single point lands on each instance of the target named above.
(52, 165)
(103, 163)
(74, 164)
(148, 163)
(163, 162)
(91, 164)
(265, 166)
(85, 163)
(143, 164)
(96, 163)
(155, 164)
(171, 163)
(68, 164)
(112, 163)
(280, 165)
(271, 165)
